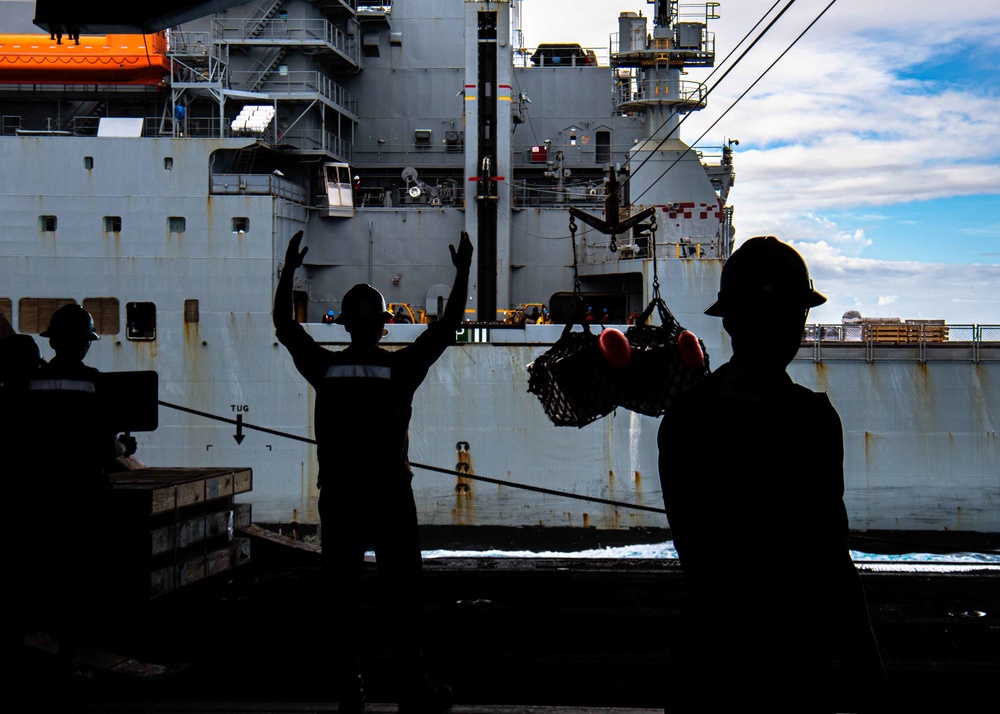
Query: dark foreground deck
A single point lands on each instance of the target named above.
(508, 635)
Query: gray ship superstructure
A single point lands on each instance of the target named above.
(165, 209)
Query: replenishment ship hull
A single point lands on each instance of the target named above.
(382, 131)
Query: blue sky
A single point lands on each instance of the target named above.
(873, 146)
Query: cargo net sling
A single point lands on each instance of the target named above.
(665, 360)
(584, 376)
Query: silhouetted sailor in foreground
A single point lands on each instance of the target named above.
(19, 362)
(363, 408)
(71, 448)
(751, 467)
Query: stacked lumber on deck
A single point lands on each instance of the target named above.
(174, 527)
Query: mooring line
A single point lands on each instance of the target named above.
(538, 489)
(245, 425)
(437, 469)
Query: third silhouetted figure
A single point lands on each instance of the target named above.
(778, 616)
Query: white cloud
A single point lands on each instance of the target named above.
(960, 294)
(990, 229)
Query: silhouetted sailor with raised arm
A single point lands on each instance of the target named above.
(362, 417)
(751, 467)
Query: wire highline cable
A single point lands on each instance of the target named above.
(745, 92)
(711, 89)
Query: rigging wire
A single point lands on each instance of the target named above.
(674, 112)
(737, 100)
(510, 221)
(708, 91)
(521, 95)
(515, 186)
(628, 178)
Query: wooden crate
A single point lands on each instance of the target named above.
(892, 330)
(190, 532)
(164, 490)
(196, 567)
(927, 330)
(175, 527)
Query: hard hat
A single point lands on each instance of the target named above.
(356, 177)
(763, 270)
(363, 302)
(71, 321)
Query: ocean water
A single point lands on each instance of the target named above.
(937, 562)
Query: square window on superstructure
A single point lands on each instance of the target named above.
(140, 320)
(88, 162)
(241, 224)
(192, 312)
(176, 224)
(112, 224)
(47, 224)
(33, 314)
(7, 310)
(105, 311)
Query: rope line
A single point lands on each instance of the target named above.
(437, 469)
(245, 425)
(541, 489)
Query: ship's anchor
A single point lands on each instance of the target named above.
(612, 224)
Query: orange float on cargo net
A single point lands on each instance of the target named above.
(614, 346)
(690, 348)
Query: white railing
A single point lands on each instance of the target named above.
(257, 185)
(277, 31)
(595, 248)
(906, 342)
(657, 91)
(189, 44)
(319, 140)
(298, 82)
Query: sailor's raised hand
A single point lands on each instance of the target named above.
(127, 445)
(462, 258)
(294, 256)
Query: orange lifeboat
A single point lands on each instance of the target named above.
(98, 59)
